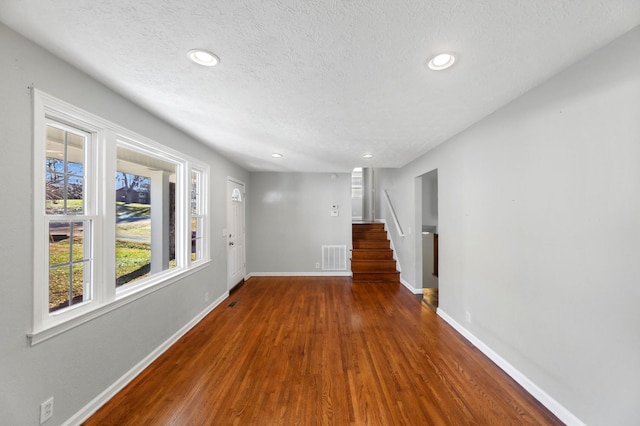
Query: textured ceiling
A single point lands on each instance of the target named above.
(322, 82)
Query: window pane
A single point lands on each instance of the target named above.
(63, 248)
(196, 215)
(133, 261)
(195, 192)
(77, 242)
(194, 235)
(64, 172)
(59, 243)
(69, 264)
(196, 238)
(145, 215)
(69, 285)
(59, 287)
(80, 288)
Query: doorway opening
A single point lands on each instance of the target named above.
(362, 195)
(430, 236)
(356, 194)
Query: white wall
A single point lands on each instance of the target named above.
(76, 366)
(430, 198)
(291, 220)
(539, 225)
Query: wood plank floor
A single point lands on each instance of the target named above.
(322, 351)
(430, 297)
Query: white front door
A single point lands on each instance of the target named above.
(235, 232)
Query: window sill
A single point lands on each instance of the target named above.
(127, 297)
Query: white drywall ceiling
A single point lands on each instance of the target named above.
(322, 82)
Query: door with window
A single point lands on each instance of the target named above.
(235, 232)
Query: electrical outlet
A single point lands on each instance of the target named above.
(468, 316)
(317, 265)
(206, 296)
(46, 410)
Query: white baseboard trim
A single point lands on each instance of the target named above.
(552, 405)
(411, 288)
(116, 387)
(300, 274)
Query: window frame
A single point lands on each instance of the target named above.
(204, 171)
(199, 213)
(135, 145)
(87, 216)
(99, 206)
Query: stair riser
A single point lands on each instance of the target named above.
(366, 226)
(376, 268)
(371, 244)
(381, 254)
(375, 263)
(373, 235)
(373, 277)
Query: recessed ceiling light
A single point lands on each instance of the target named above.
(276, 155)
(203, 57)
(441, 61)
(367, 156)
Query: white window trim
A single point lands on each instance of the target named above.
(105, 137)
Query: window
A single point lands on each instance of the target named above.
(116, 216)
(67, 216)
(145, 214)
(197, 215)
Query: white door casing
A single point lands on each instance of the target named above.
(235, 232)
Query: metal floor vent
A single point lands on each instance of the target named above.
(334, 258)
(232, 304)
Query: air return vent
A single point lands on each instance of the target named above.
(334, 258)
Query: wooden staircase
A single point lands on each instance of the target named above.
(372, 257)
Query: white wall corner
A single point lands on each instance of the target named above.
(411, 288)
(545, 399)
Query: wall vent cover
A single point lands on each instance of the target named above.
(334, 258)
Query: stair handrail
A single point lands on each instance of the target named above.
(393, 213)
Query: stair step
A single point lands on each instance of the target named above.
(376, 277)
(366, 226)
(375, 234)
(373, 265)
(371, 244)
(372, 257)
(367, 254)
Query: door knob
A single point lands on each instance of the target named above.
(231, 243)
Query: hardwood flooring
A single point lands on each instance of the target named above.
(430, 297)
(322, 351)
